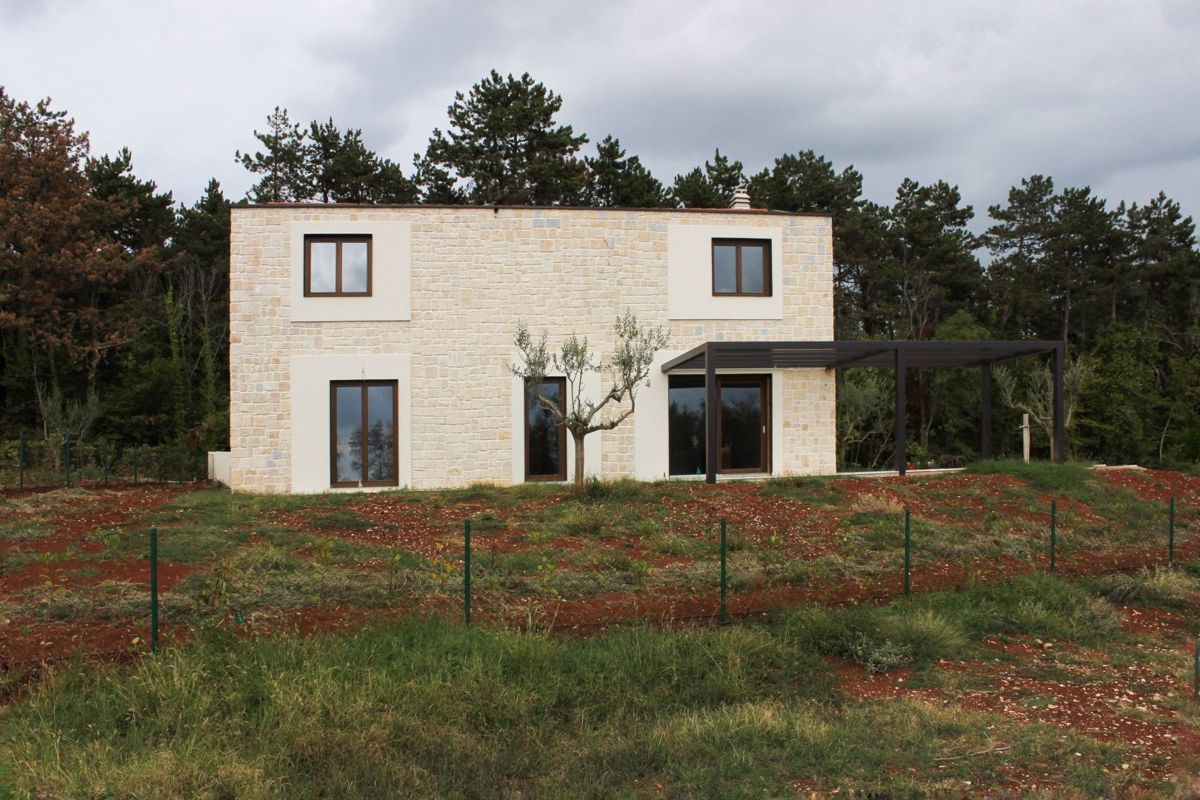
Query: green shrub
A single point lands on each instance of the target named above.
(926, 635)
(1036, 604)
(1161, 587)
(623, 489)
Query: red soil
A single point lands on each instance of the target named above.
(24, 640)
(1154, 484)
(1128, 705)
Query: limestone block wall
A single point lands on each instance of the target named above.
(473, 272)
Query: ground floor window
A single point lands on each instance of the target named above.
(545, 443)
(743, 424)
(685, 424)
(363, 433)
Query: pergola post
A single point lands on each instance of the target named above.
(901, 414)
(1060, 412)
(710, 412)
(985, 404)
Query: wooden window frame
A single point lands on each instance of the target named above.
(764, 382)
(339, 240)
(562, 433)
(765, 244)
(333, 449)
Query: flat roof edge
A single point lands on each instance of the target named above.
(476, 207)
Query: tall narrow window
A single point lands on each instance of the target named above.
(545, 444)
(685, 424)
(337, 266)
(741, 267)
(363, 433)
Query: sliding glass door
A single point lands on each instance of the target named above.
(743, 425)
(744, 428)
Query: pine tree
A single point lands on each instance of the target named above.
(135, 213)
(615, 179)
(1018, 243)
(343, 170)
(504, 146)
(68, 297)
(284, 167)
(712, 187)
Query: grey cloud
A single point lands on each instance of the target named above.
(980, 95)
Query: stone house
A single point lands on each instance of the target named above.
(370, 345)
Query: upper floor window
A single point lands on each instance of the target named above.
(337, 266)
(741, 267)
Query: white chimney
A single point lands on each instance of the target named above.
(741, 199)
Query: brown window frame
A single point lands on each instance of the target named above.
(562, 437)
(333, 451)
(338, 239)
(764, 384)
(765, 244)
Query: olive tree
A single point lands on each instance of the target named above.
(1033, 393)
(626, 369)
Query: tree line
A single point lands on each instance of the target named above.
(114, 298)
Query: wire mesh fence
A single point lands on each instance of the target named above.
(283, 573)
(28, 463)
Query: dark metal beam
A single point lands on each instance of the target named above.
(1060, 418)
(901, 413)
(985, 404)
(845, 362)
(688, 356)
(710, 412)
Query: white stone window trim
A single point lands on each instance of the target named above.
(391, 273)
(310, 410)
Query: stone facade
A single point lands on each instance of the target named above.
(473, 272)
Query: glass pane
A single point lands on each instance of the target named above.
(543, 440)
(354, 267)
(685, 426)
(349, 433)
(753, 269)
(322, 266)
(725, 268)
(741, 426)
(381, 433)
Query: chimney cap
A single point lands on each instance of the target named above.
(741, 198)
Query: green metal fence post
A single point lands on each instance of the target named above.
(135, 463)
(907, 551)
(21, 461)
(1053, 535)
(66, 455)
(154, 590)
(1171, 534)
(724, 573)
(1196, 672)
(467, 572)
(104, 455)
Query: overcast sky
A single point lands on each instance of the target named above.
(982, 94)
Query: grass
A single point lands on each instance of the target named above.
(425, 708)
(429, 709)
(1160, 587)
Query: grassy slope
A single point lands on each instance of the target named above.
(430, 709)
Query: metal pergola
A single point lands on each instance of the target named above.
(897, 355)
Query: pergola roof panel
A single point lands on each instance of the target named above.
(836, 354)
